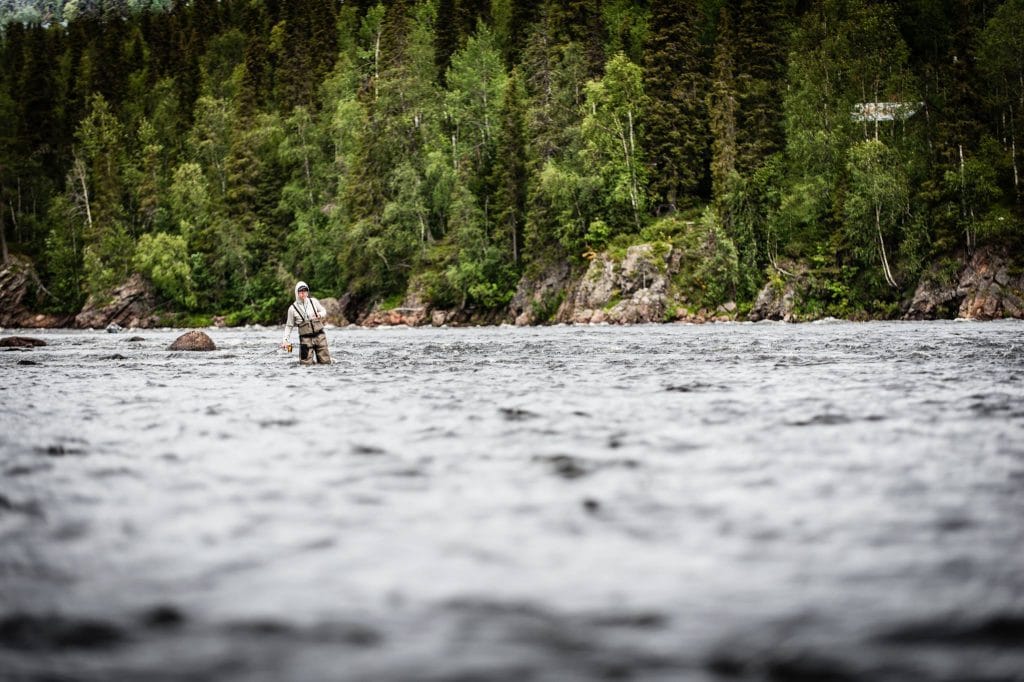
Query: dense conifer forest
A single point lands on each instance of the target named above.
(226, 148)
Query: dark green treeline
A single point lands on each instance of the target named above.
(226, 148)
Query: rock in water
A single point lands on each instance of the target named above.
(20, 342)
(193, 340)
(114, 328)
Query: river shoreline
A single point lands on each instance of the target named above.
(641, 285)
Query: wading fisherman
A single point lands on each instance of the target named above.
(308, 315)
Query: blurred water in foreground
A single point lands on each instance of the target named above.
(721, 502)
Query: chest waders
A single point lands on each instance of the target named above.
(311, 339)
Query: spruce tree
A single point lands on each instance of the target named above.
(761, 31)
(723, 105)
(509, 176)
(446, 37)
(677, 139)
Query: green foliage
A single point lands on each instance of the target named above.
(876, 201)
(572, 195)
(709, 270)
(973, 191)
(163, 258)
(63, 265)
(545, 309)
(442, 147)
(676, 137)
(627, 23)
(610, 132)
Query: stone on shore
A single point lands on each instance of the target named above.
(632, 290)
(18, 284)
(133, 304)
(779, 298)
(985, 287)
(193, 340)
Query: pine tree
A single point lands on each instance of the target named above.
(723, 107)
(446, 37)
(761, 47)
(509, 176)
(513, 21)
(554, 73)
(677, 139)
(1001, 61)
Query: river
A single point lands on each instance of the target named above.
(829, 501)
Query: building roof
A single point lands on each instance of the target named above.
(884, 111)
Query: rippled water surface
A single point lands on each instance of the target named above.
(720, 502)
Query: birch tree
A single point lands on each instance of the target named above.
(877, 203)
(611, 131)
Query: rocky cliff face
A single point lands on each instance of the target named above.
(631, 288)
(635, 289)
(539, 297)
(986, 288)
(133, 304)
(779, 298)
(990, 289)
(17, 276)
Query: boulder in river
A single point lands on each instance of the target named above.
(20, 342)
(193, 340)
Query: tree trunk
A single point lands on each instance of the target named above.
(3, 237)
(881, 245)
(1013, 153)
(964, 211)
(80, 178)
(515, 243)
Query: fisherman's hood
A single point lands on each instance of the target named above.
(298, 286)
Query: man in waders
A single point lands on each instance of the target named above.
(308, 315)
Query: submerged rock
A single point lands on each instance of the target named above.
(53, 632)
(20, 342)
(193, 340)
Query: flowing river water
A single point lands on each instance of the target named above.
(830, 501)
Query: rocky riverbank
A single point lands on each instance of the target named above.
(640, 285)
